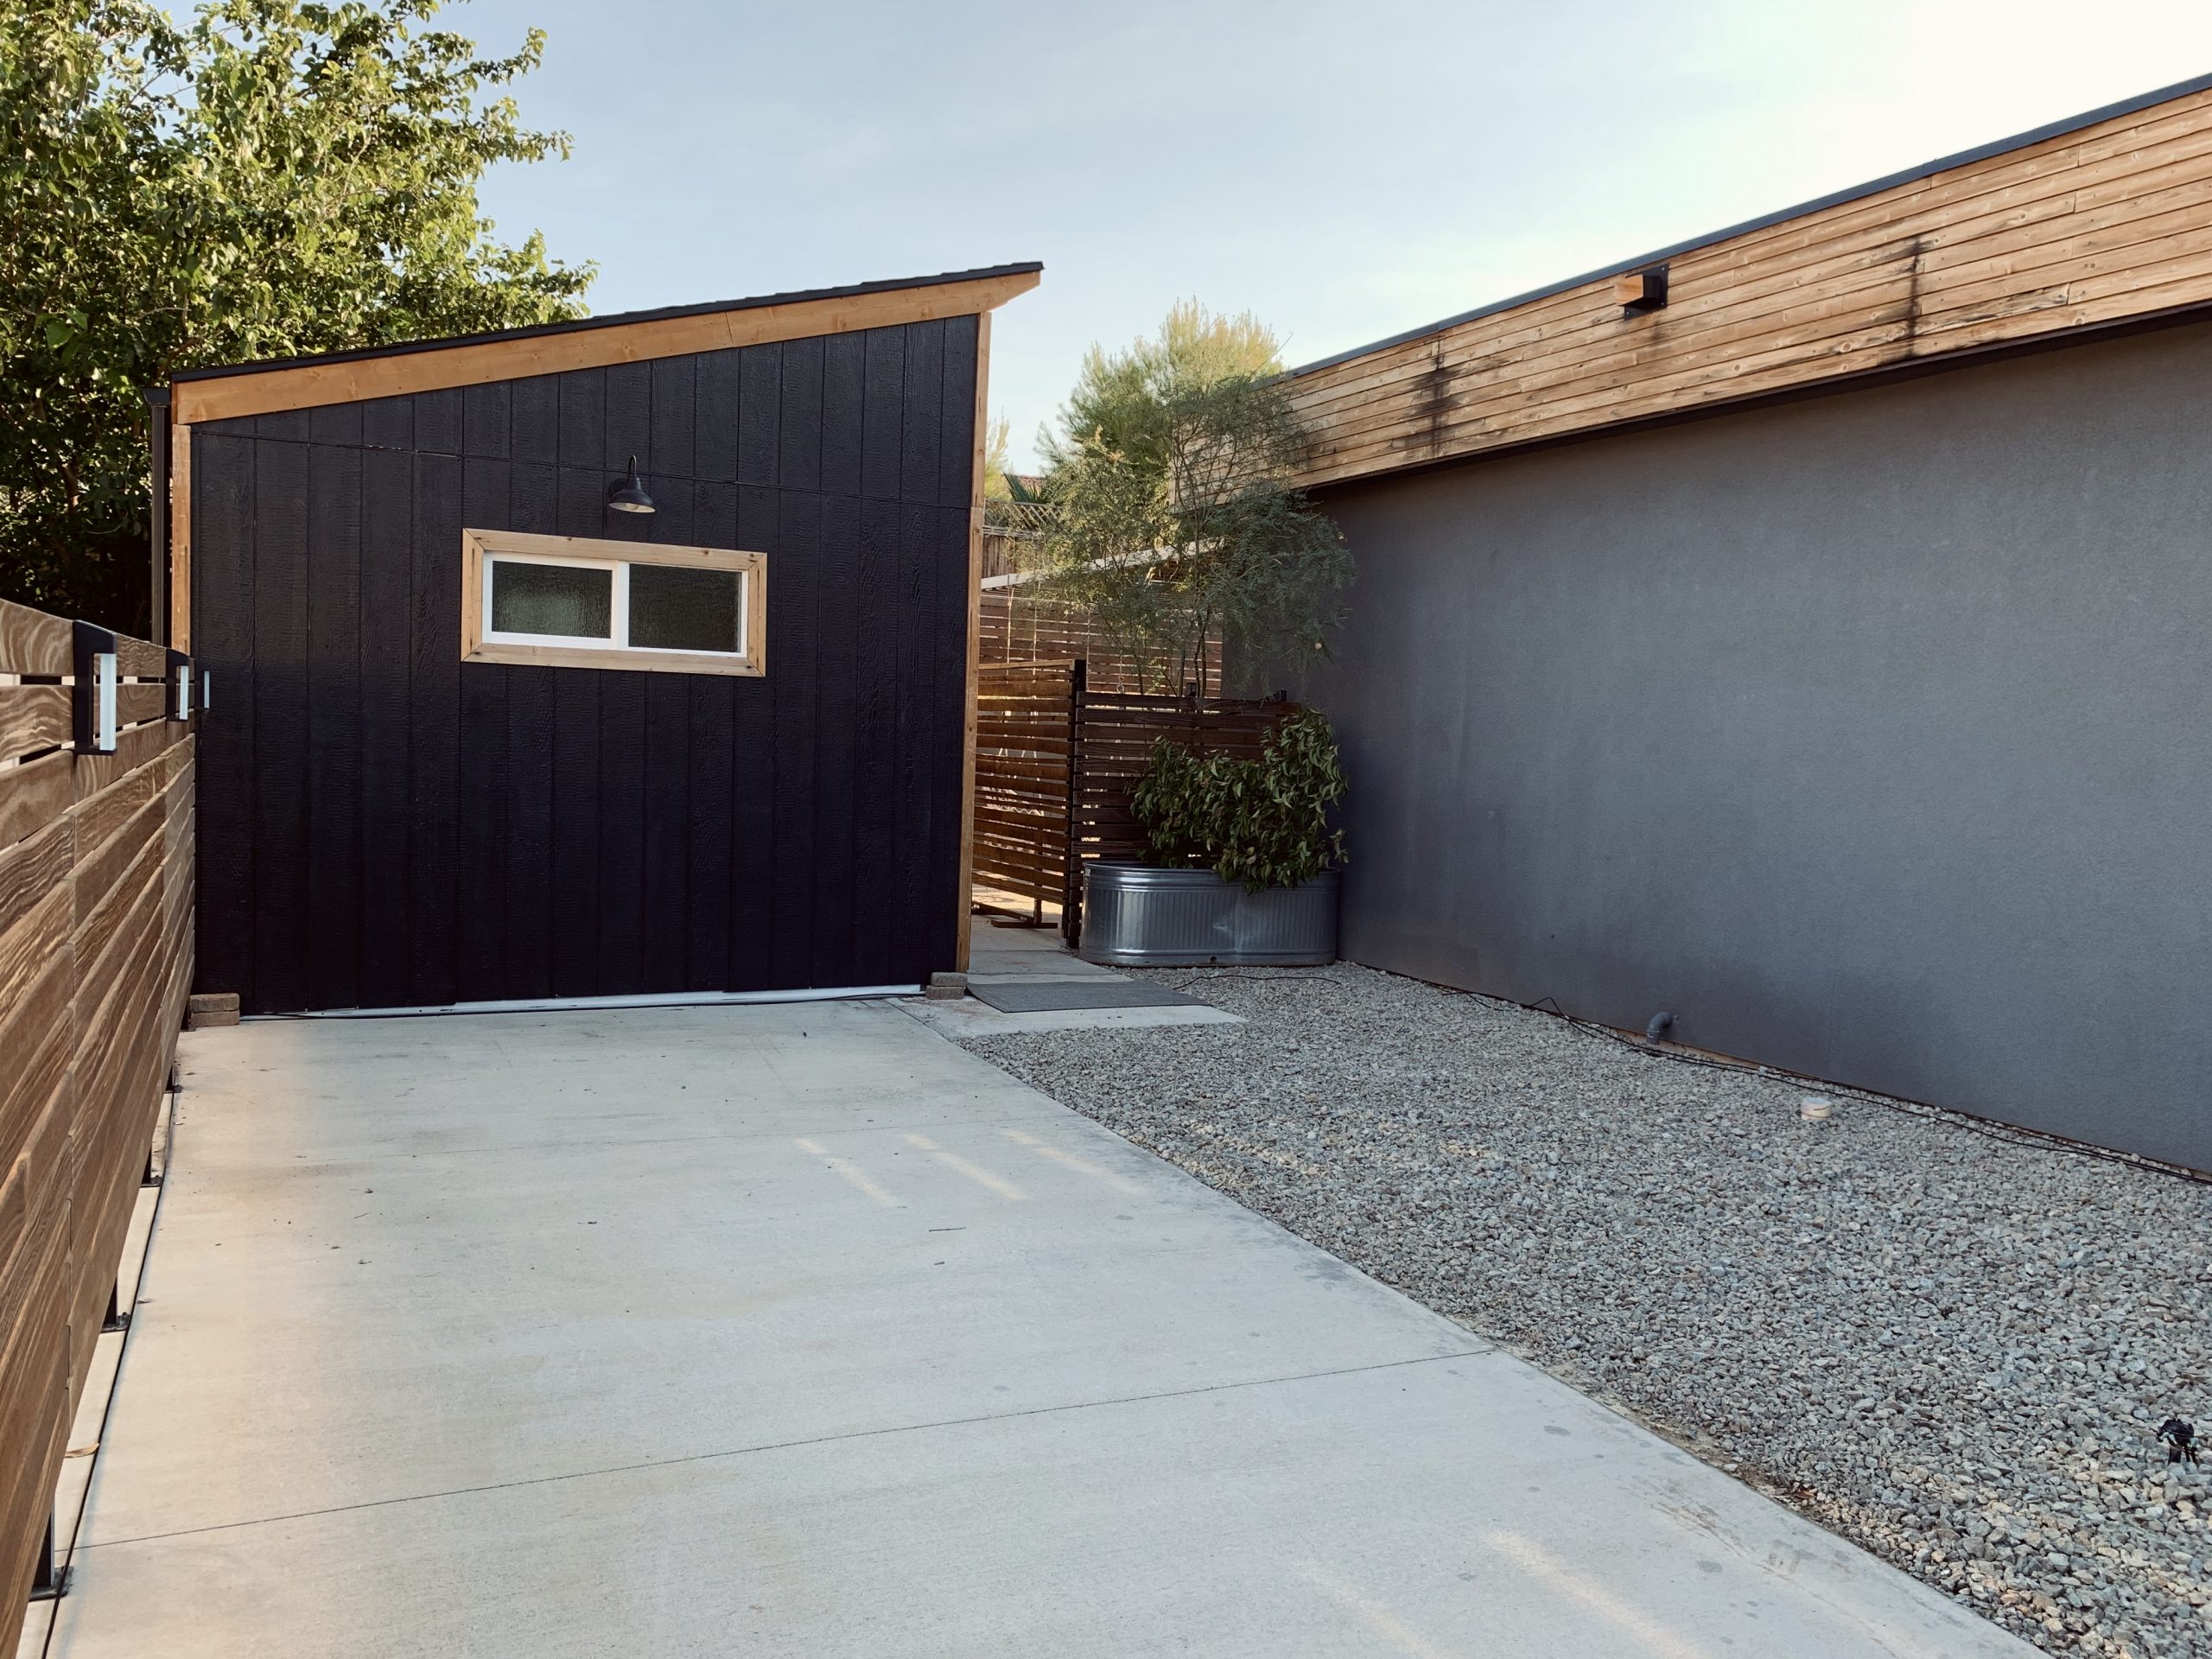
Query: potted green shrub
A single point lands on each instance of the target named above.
(1243, 860)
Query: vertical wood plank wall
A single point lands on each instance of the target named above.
(96, 949)
(390, 828)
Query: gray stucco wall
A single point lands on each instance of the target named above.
(1871, 736)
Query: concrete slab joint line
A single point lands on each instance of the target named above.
(794, 1329)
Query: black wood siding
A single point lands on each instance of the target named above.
(385, 826)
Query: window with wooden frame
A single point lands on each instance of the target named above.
(570, 601)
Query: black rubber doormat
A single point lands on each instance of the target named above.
(1058, 996)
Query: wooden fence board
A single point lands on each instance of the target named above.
(31, 943)
(1023, 713)
(137, 702)
(1014, 629)
(32, 717)
(31, 642)
(30, 870)
(40, 1023)
(93, 822)
(141, 658)
(96, 937)
(102, 866)
(34, 794)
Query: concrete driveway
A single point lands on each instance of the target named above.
(796, 1330)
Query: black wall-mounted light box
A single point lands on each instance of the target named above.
(96, 670)
(1642, 291)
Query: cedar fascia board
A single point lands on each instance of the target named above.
(1804, 209)
(230, 394)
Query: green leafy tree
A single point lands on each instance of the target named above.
(996, 440)
(1175, 524)
(274, 178)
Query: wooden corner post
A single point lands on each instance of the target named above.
(1071, 866)
(975, 643)
(180, 531)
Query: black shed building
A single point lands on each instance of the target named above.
(481, 730)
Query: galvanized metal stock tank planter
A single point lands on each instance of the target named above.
(1135, 915)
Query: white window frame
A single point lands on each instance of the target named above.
(617, 602)
(482, 550)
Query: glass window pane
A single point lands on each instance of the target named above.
(573, 601)
(673, 607)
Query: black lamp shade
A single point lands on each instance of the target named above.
(628, 495)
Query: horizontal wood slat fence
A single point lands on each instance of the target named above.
(96, 946)
(1014, 627)
(1057, 760)
(1025, 733)
(1114, 733)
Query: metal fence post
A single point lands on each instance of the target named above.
(47, 1578)
(1071, 875)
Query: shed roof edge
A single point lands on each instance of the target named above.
(613, 319)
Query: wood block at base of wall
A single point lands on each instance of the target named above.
(207, 1008)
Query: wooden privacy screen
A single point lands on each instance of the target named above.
(2107, 221)
(1055, 760)
(1023, 735)
(96, 856)
(1013, 627)
(1114, 733)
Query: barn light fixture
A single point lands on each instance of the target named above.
(629, 495)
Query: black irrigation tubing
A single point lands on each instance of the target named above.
(2003, 1134)
(1257, 979)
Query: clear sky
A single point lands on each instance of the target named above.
(1345, 170)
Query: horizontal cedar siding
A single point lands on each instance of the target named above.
(2105, 223)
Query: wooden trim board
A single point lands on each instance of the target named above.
(312, 385)
(180, 534)
(475, 648)
(975, 642)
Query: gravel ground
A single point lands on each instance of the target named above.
(1953, 1347)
